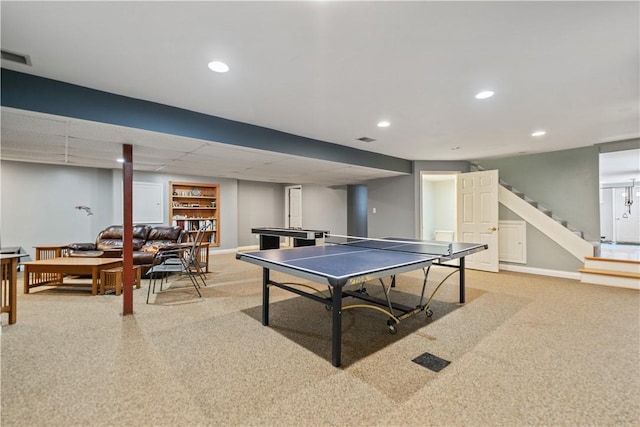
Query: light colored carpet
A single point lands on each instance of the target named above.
(524, 350)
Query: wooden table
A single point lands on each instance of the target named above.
(8, 295)
(56, 267)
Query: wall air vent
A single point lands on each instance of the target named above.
(365, 139)
(16, 57)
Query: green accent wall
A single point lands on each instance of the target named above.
(566, 182)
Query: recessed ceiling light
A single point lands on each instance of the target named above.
(218, 67)
(539, 133)
(120, 160)
(383, 124)
(484, 94)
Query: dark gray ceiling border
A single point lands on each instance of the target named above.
(624, 145)
(34, 93)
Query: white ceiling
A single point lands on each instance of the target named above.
(330, 70)
(42, 138)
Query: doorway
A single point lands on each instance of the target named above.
(620, 197)
(462, 207)
(292, 209)
(438, 205)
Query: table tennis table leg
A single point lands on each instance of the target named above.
(336, 331)
(265, 296)
(461, 267)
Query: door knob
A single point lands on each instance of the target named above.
(493, 228)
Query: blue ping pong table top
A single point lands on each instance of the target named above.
(347, 264)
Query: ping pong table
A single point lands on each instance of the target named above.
(344, 261)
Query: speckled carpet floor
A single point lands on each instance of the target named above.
(524, 350)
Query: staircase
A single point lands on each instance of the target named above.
(542, 209)
(611, 272)
(554, 227)
(597, 270)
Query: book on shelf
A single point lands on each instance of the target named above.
(195, 224)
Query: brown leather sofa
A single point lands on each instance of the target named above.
(146, 239)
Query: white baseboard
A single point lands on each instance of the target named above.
(541, 271)
(251, 248)
(229, 251)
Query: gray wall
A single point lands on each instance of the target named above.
(542, 252)
(395, 204)
(227, 202)
(397, 200)
(38, 202)
(567, 182)
(324, 208)
(262, 205)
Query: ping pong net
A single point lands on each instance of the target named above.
(422, 247)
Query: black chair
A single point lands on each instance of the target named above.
(182, 259)
(193, 254)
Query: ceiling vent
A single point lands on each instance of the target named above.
(365, 139)
(16, 57)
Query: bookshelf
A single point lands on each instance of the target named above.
(194, 204)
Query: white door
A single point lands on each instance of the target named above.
(293, 206)
(293, 209)
(477, 215)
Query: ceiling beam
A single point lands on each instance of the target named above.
(33, 93)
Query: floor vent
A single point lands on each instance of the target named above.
(432, 362)
(16, 57)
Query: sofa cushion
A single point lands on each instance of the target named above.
(143, 258)
(162, 234)
(111, 237)
(82, 246)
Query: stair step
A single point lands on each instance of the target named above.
(545, 211)
(611, 264)
(542, 209)
(621, 261)
(619, 279)
(610, 273)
